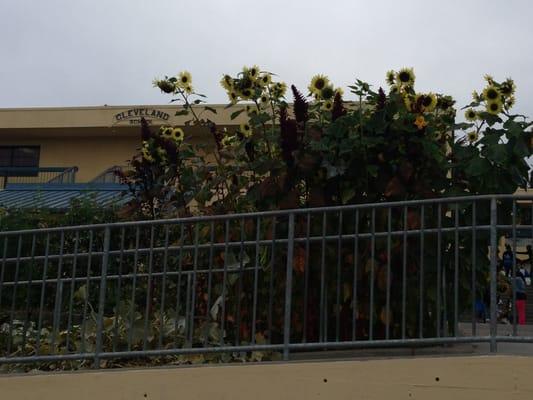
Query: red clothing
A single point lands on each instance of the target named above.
(521, 311)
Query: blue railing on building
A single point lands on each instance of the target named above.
(42, 175)
(399, 274)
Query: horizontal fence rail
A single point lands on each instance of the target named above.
(263, 285)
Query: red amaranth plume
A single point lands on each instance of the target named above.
(288, 136)
(145, 129)
(300, 106)
(382, 97)
(338, 108)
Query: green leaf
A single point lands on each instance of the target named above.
(207, 108)
(235, 114)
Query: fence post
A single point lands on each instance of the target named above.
(101, 300)
(493, 273)
(288, 289)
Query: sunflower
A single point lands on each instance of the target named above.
(509, 103)
(327, 105)
(406, 77)
(227, 140)
(489, 79)
(471, 115)
(252, 72)
(339, 91)
(507, 88)
(318, 82)
(429, 101)
(491, 93)
(146, 152)
(279, 89)
(251, 110)
(164, 85)
(177, 134)
(390, 77)
(233, 96)
(327, 93)
(264, 99)
(438, 135)
(226, 82)
(246, 130)
(247, 93)
(494, 107)
(184, 79)
(420, 122)
(472, 136)
(189, 89)
(265, 79)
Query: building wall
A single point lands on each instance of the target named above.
(439, 378)
(92, 155)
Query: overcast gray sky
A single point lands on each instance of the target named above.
(94, 52)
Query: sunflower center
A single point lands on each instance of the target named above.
(494, 106)
(184, 79)
(492, 94)
(426, 101)
(320, 83)
(404, 76)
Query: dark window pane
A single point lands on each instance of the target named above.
(5, 156)
(25, 157)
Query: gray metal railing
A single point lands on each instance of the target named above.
(372, 275)
(110, 175)
(36, 175)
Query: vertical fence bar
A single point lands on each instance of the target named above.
(404, 273)
(288, 288)
(372, 273)
(306, 277)
(163, 288)
(178, 289)
(256, 276)
(59, 294)
(239, 286)
(421, 283)
(41, 302)
(29, 290)
(72, 287)
(194, 279)
(101, 299)
(271, 281)
(387, 295)
(14, 297)
(2, 272)
(514, 270)
(210, 276)
(119, 288)
(87, 289)
(355, 269)
(224, 280)
(493, 277)
(148, 305)
(133, 287)
(439, 277)
(456, 274)
(323, 335)
(338, 302)
(474, 285)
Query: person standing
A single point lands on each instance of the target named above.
(507, 258)
(520, 290)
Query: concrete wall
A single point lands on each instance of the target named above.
(451, 378)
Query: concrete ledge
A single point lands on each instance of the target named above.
(457, 378)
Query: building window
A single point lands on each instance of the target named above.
(19, 156)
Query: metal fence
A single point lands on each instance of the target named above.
(374, 275)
